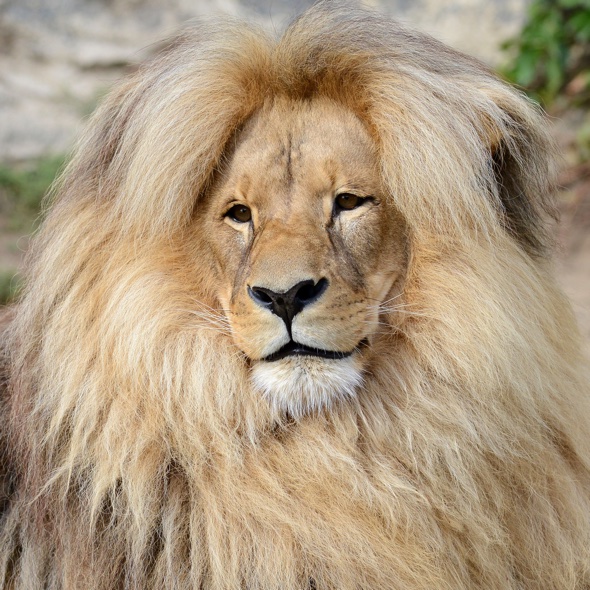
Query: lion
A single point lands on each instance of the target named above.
(290, 322)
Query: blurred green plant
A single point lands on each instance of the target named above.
(9, 286)
(23, 187)
(552, 51)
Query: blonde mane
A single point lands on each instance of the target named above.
(134, 451)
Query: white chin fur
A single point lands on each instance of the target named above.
(301, 385)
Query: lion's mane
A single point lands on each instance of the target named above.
(134, 451)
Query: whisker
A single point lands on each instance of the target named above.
(410, 313)
(387, 300)
(213, 321)
(214, 310)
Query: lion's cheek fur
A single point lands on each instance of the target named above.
(489, 334)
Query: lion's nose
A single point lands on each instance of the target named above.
(288, 304)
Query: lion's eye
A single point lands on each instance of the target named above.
(348, 201)
(240, 213)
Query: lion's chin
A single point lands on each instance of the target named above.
(301, 385)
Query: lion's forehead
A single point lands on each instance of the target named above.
(299, 152)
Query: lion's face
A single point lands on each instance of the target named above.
(306, 248)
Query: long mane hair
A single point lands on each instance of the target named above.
(135, 453)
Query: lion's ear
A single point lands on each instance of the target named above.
(521, 160)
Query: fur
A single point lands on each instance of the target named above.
(136, 451)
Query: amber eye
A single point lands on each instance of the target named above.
(348, 201)
(240, 213)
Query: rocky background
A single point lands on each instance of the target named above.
(58, 57)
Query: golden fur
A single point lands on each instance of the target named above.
(139, 446)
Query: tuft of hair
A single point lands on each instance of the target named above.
(135, 453)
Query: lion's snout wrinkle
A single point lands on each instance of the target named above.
(286, 253)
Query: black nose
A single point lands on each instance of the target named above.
(289, 303)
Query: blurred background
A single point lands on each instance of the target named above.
(58, 57)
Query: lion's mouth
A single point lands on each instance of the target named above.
(296, 349)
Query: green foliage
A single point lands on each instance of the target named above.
(22, 188)
(552, 50)
(9, 286)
